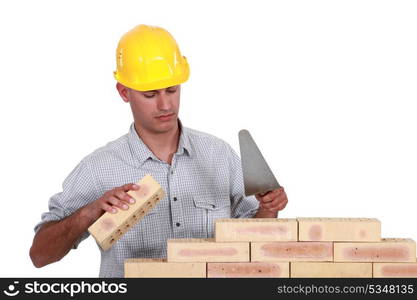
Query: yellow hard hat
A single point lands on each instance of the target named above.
(148, 58)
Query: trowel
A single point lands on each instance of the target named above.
(257, 176)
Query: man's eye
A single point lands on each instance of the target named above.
(171, 91)
(149, 95)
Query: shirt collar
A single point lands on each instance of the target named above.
(185, 142)
(141, 151)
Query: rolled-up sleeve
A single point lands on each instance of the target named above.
(78, 189)
(241, 206)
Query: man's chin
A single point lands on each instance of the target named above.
(164, 127)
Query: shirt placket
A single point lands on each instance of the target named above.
(177, 215)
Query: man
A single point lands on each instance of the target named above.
(200, 174)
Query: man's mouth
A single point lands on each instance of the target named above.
(166, 117)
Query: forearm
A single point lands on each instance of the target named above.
(55, 239)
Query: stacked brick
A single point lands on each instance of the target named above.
(303, 247)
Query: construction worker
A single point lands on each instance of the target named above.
(201, 174)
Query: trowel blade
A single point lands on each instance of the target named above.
(257, 176)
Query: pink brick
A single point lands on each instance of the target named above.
(330, 270)
(388, 250)
(339, 229)
(292, 251)
(250, 270)
(206, 250)
(256, 230)
(404, 270)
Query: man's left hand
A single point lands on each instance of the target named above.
(272, 201)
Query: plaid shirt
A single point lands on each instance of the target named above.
(203, 183)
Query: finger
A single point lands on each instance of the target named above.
(269, 197)
(258, 197)
(277, 201)
(123, 196)
(129, 186)
(271, 203)
(118, 203)
(109, 208)
(261, 197)
(280, 206)
(267, 205)
(279, 191)
(263, 194)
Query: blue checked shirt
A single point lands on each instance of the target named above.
(203, 183)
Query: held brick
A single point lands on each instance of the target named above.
(160, 268)
(291, 251)
(330, 269)
(111, 227)
(248, 270)
(401, 270)
(256, 230)
(388, 250)
(206, 250)
(339, 229)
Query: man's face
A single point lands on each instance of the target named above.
(155, 111)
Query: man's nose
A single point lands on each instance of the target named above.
(164, 102)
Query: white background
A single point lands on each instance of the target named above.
(327, 89)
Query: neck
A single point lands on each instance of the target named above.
(163, 145)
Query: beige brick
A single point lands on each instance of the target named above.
(160, 268)
(330, 269)
(111, 227)
(339, 229)
(388, 250)
(256, 230)
(250, 270)
(403, 270)
(206, 250)
(291, 251)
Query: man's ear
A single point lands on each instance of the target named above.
(123, 91)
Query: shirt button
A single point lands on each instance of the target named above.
(172, 172)
(214, 206)
(178, 224)
(175, 199)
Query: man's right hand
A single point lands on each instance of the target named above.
(56, 238)
(111, 200)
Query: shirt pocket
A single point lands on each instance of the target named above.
(209, 208)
